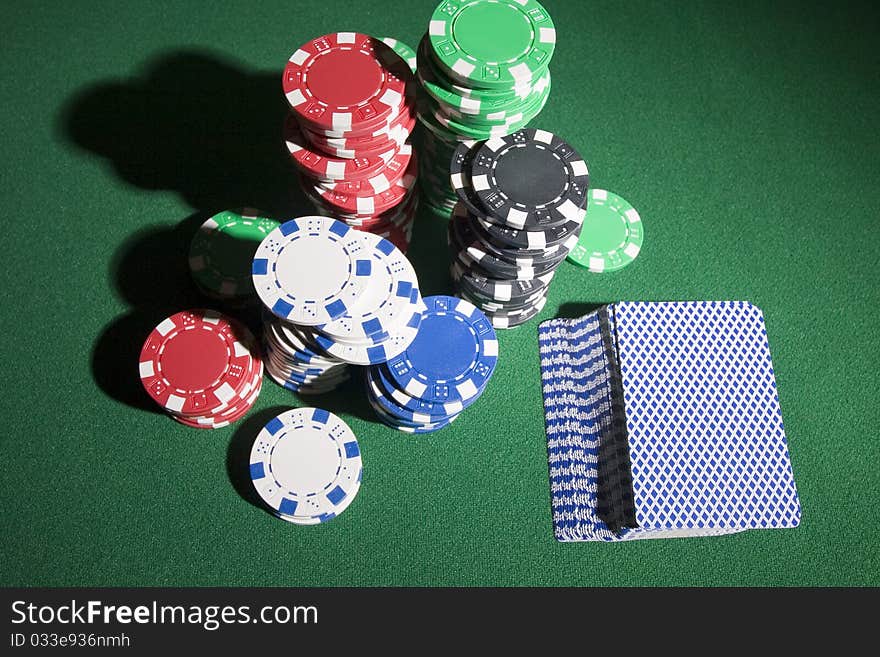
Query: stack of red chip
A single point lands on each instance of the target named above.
(203, 368)
(352, 112)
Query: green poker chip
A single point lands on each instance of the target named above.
(611, 236)
(458, 99)
(477, 131)
(524, 112)
(407, 53)
(222, 252)
(491, 45)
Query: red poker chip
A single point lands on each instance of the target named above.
(396, 216)
(344, 80)
(394, 141)
(374, 128)
(383, 179)
(405, 120)
(399, 234)
(323, 167)
(195, 362)
(368, 206)
(350, 147)
(218, 422)
(228, 415)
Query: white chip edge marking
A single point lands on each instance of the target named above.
(415, 388)
(547, 35)
(467, 389)
(174, 403)
(543, 136)
(295, 97)
(463, 68)
(299, 57)
(480, 183)
(579, 167)
(516, 218)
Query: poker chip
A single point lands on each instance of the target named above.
(391, 138)
(406, 53)
(462, 234)
(612, 235)
(492, 44)
(519, 213)
(534, 241)
(324, 167)
(452, 356)
(530, 180)
(511, 319)
(221, 252)
(306, 466)
(203, 368)
(310, 270)
(334, 296)
(352, 100)
(389, 300)
(415, 408)
(387, 193)
(442, 371)
(481, 128)
(338, 81)
(498, 290)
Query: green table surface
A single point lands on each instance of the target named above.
(745, 135)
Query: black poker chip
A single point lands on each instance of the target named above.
(530, 180)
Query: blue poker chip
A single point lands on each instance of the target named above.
(402, 415)
(306, 463)
(453, 355)
(379, 374)
(407, 428)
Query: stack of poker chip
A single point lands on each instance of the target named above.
(333, 297)
(221, 253)
(443, 371)
(352, 111)
(483, 71)
(520, 212)
(306, 466)
(202, 367)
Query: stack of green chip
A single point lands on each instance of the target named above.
(483, 71)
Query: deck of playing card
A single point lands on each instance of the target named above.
(663, 421)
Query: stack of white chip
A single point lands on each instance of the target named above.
(334, 296)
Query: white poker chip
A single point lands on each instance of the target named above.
(311, 270)
(306, 464)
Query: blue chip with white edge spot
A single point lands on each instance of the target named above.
(453, 355)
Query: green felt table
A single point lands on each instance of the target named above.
(746, 136)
